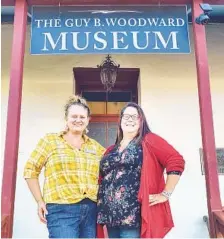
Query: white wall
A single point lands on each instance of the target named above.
(168, 97)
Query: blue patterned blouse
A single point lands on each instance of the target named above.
(118, 204)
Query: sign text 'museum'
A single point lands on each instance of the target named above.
(142, 30)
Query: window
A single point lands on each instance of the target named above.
(220, 160)
(124, 96)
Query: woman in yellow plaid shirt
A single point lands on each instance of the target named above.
(71, 161)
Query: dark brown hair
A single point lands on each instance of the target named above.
(143, 129)
(76, 100)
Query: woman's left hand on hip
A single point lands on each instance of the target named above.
(156, 199)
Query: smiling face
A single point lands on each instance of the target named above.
(130, 121)
(77, 118)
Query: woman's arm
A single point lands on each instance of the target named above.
(171, 182)
(169, 157)
(32, 170)
(172, 161)
(34, 186)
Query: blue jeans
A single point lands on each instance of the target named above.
(76, 220)
(116, 232)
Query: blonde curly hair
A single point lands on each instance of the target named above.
(76, 100)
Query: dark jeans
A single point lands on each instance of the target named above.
(76, 220)
(123, 232)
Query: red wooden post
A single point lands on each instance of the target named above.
(208, 139)
(13, 118)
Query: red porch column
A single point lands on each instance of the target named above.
(207, 130)
(13, 118)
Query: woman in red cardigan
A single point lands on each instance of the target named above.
(133, 200)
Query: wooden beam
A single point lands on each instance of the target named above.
(13, 118)
(104, 118)
(107, 2)
(98, 83)
(207, 129)
(94, 69)
(117, 2)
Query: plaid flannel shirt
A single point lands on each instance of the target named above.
(70, 174)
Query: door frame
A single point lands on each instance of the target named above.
(128, 79)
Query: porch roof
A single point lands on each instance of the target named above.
(107, 2)
(216, 16)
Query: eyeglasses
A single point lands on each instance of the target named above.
(133, 117)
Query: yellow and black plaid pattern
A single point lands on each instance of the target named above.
(70, 174)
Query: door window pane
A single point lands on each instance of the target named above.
(97, 131)
(112, 132)
(103, 132)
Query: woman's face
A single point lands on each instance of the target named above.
(130, 122)
(77, 119)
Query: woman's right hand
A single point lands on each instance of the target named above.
(42, 211)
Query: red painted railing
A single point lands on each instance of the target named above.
(218, 217)
(4, 226)
(219, 223)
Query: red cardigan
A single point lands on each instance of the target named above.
(157, 155)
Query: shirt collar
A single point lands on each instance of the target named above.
(85, 137)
